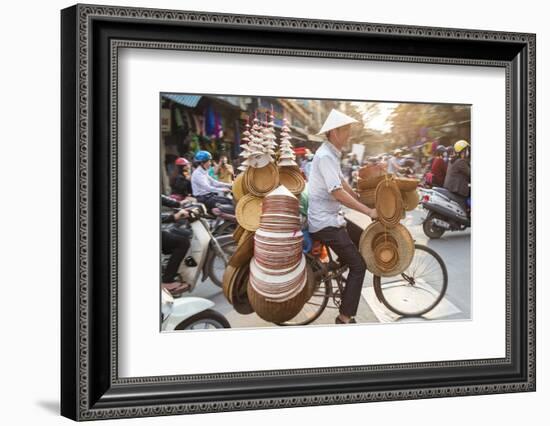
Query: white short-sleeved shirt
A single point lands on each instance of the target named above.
(324, 178)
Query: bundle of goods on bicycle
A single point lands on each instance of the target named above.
(289, 173)
(278, 284)
(269, 225)
(261, 174)
(386, 245)
(371, 175)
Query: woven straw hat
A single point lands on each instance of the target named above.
(244, 251)
(370, 182)
(227, 281)
(371, 171)
(238, 291)
(258, 159)
(386, 251)
(248, 211)
(410, 199)
(238, 233)
(261, 181)
(244, 236)
(406, 184)
(368, 197)
(292, 179)
(388, 203)
(239, 190)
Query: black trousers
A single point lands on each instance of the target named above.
(210, 200)
(344, 242)
(177, 246)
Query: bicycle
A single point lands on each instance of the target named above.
(413, 293)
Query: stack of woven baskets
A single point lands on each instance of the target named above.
(369, 178)
(386, 245)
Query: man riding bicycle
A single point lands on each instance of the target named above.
(328, 191)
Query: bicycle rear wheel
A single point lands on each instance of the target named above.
(418, 289)
(317, 303)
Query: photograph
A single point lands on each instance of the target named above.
(279, 211)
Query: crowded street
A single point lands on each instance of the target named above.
(294, 212)
(454, 248)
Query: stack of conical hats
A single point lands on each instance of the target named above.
(268, 136)
(259, 155)
(277, 287)
(386, 245)
(289, 173)
(286, 153)
(245, 149)
(260, 175)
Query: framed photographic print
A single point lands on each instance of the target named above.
(263, 212)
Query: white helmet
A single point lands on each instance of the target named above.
(336, 119)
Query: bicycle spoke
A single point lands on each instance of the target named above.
(427, 289)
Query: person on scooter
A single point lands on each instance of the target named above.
(439, 167)
(328, 190)
(180, 181)
(393, 163)
(176, 246)
(457, 179)
(205, 187)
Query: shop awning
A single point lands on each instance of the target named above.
(189, 101)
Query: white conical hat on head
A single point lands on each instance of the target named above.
(336, 119)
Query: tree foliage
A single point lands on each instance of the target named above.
(412, 121)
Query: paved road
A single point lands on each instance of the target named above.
(454, 248)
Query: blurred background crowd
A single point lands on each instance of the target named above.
(405, 138)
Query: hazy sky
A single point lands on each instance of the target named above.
(379, 120)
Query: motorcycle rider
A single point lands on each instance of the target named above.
(439, 167)
(176, 246)
(393, 163)
(328, 190)
(458, 173)
(205, 187)
(180, 181)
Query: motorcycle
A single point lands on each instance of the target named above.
(224, 222)
(208, 254)
(445, 212)
(221, 219)
(189, 313)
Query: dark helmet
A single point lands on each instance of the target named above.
(440, 150)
